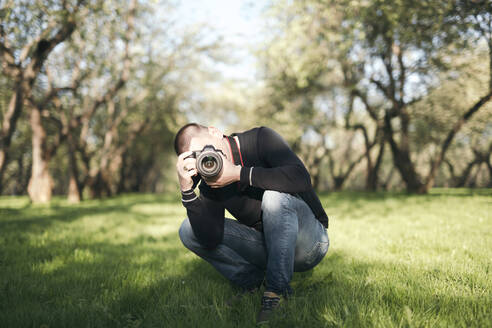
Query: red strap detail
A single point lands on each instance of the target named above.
(230, 148)
(239, 150)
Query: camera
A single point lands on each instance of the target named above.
(208, 161)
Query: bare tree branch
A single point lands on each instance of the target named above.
(452, 133)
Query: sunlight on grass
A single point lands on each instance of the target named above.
(394, 260)
(49, 266)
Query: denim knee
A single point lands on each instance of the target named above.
(275, 200)
(306, 260)
(186, 233)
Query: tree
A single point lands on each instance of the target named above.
(388, 54)
(310, 75)
(136, 100)
(472, 18)
(391, 43)
(23, 56)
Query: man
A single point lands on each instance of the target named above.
(281, 225)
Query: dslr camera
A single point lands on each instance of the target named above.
(208, 161)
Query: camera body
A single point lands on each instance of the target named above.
(209, 163)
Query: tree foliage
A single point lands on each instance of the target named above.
(371, 94)
(105, 102)
(385, 62)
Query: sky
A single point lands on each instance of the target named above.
(238, 21)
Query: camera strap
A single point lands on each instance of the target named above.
(236, 154)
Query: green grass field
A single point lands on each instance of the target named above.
(394, 261)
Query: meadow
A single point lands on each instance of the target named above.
(395, 260)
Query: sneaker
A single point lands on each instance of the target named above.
(238, 296)
(269, 303)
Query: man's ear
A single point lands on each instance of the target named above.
(212, 130)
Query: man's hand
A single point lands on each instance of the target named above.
(230, 173)
(186, 169)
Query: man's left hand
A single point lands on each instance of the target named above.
(230, 173)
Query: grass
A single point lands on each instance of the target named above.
(394, 261)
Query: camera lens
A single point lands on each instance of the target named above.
(209, 163)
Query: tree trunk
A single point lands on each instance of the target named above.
(338, 182)
(401, 159)
(123, 176)
(387, 183)
(100, 182)
(74, 186)
(453, 178)
(98, 186)
(489, 166)
(315, 172)
(3, 166)
(373, 173)
(339, 179)
(316, 180)
(18, 189)
(463, 178)
(74, 195)
(473, 180)
(135, 176)
(41, 184)
(8, 127)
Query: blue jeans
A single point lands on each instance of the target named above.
(292, 240)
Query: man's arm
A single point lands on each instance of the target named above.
(286, 172)
(206, 217)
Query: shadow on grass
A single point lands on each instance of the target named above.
(32, 217)
(151, 281)
(383, 195)
(137, 284)
(360, 204)
(354, 293)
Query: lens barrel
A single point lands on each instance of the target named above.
(209, 163)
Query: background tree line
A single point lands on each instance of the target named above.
(381, 94)
(372, 94)
(91, 93)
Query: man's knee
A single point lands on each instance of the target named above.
(186, 233)
(273, 200)
(278, 208)
(307, 259)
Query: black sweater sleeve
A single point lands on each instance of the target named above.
(206, 217)
(285, 171)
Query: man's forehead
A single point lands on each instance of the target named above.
(197, 143)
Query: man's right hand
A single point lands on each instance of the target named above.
(186, 170)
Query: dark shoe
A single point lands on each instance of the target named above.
(269, 303)
(238, 296)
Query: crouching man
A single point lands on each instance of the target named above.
(280, 225)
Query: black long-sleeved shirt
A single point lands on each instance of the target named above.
(268, 163)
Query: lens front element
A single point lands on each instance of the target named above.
(209, 164)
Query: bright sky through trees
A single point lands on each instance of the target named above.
(237, 21)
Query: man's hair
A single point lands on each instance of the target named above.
(183, 137)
